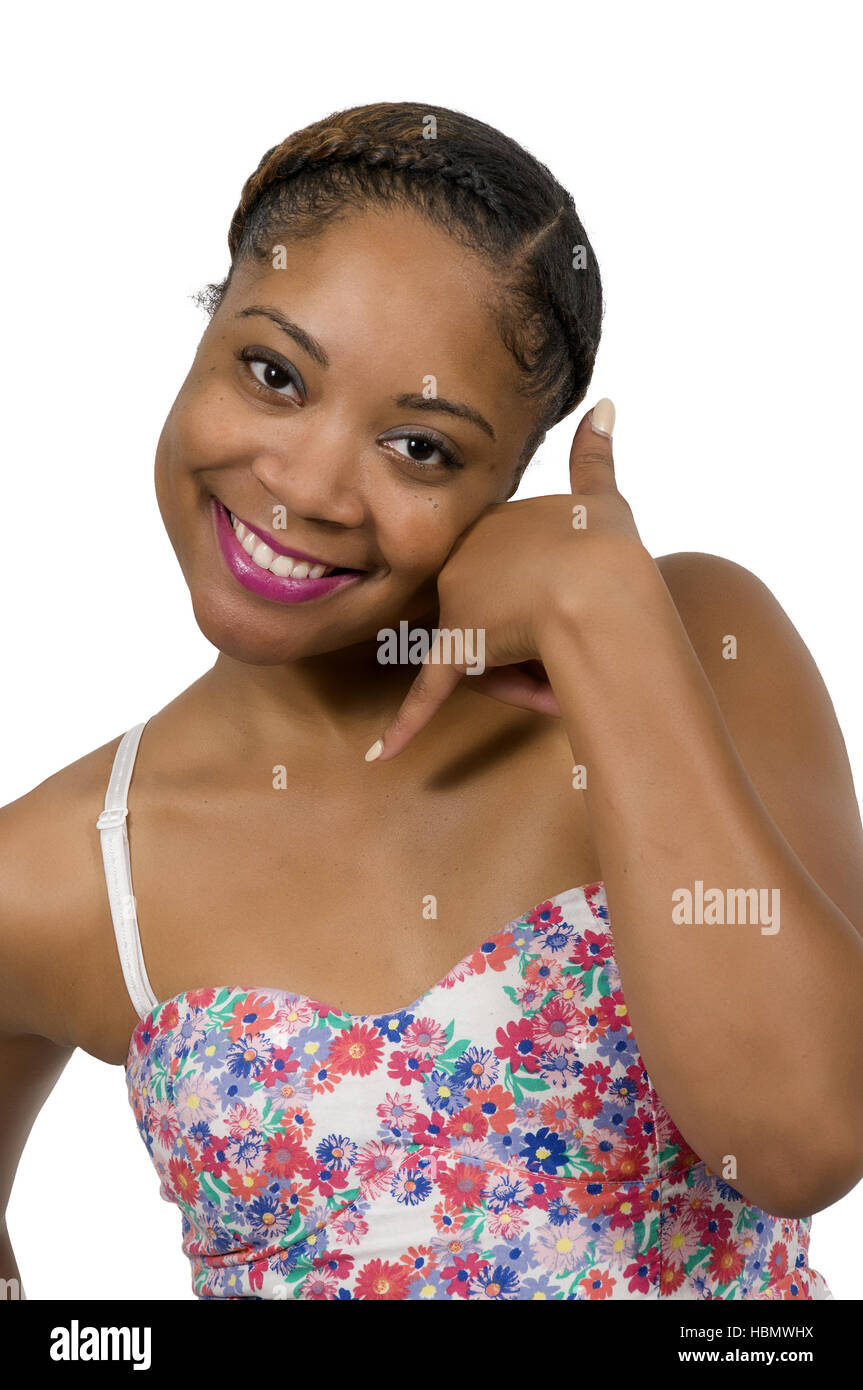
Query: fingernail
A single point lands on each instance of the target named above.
(602, 417)
(375, 751)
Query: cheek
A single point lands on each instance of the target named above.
(416, 531)
(198, 432)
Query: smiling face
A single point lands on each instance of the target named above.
(356, 409)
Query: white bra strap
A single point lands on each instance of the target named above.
(118, 873)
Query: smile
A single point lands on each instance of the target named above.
(274, 574)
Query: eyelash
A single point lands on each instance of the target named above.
(272, 359)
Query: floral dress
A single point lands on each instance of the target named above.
(497, 1139)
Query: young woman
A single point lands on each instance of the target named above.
(643, 851)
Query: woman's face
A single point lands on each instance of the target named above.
(357, 409)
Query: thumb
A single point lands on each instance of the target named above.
(591, 459)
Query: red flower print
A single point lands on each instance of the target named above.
(626, 1207)
(642, 1273)
(597, 1283)
(285, 1156)
(544, 916)
(337, 1262)
(251, 1014)
(169, 1017)
(430, 1129)
(714, 1223)
(182, 1180)
(467, 1124)
(794, 1285)
(587, 1102)
(320, 1285)
(590, 950)
(381, 1279)
(462, 1185)
(405, 1067)
(671, 1276)
(496, 1105)
(336, 1180)
(613, 1012)
(493, 954)
(461, 1272)
(726, 1261)
(418, 1260)
(557, 1027)
(280, 1065)
(374, 1167)
(356, 1051)
(516, 1045)
(425, 1037)
(200, 998)
(778, 1261)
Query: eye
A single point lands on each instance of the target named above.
(271, 373)
(427, 452)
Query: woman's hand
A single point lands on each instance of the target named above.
(516, 565)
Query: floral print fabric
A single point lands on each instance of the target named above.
(497, 1139)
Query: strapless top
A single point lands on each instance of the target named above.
(498, 1138)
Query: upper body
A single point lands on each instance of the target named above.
(698, 767)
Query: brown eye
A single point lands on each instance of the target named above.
(425, 452)
(269, 374)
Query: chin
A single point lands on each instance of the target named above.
(261, 639)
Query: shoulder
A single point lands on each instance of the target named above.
(779, 713)
(53, 902)
(742, 635)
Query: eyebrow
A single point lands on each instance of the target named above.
(412, 400)
(415, 401)
(293, 330)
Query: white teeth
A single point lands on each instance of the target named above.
(263, 555)
(285, 566)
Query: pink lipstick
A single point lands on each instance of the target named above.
(262, 581)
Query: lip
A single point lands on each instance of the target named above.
(262, 582)
(284, 550)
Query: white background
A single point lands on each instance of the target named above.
(713, 156)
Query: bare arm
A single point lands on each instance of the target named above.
(52, 908)
(29, 1068)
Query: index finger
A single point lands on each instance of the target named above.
(434, 684)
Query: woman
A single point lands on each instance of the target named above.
(412, 303)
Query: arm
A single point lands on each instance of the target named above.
(754, 1040)
(29, 1068)
(39, 916)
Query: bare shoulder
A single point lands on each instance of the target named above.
(53, 902)
(779, 713)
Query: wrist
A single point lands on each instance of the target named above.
(611, 574)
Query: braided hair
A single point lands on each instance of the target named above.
(481, 187)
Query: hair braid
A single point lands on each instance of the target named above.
(281, 163)
(483, 188)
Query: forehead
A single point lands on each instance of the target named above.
(389, 294)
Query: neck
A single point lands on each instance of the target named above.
(339, 697)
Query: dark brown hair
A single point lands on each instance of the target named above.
(475, 183)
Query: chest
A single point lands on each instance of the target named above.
(364, 906)
(361, 901)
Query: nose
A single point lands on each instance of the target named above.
(316, 476)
